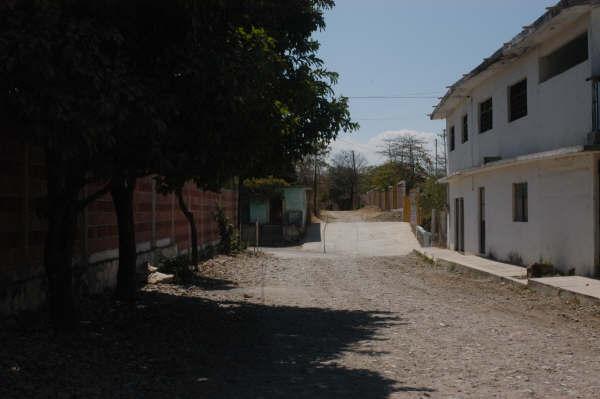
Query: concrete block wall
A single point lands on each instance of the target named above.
(401, 193)
(391, 198)
(161, 228)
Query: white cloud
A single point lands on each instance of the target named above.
(370, 148)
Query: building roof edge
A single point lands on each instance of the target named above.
(503, 51)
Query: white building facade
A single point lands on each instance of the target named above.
(523, 154)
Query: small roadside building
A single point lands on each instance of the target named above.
(523, 135)
(282, 218)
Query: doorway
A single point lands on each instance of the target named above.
(275, 211)
(459, 224)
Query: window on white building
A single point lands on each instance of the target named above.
(465, 129)
(485, 116)
(565, 58)
(520, 202)
(517, 100)
(452, 136)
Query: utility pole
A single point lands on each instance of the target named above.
(445, 152)
(436, 159)
(353, 180)
(316, 187)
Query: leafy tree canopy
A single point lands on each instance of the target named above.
(186, 89)
(266, 187)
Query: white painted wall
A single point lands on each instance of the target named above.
(559, 109)
(562, 217)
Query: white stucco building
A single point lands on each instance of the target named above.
(523, 154)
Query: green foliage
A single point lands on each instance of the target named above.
(433, 196)
(266, 187)
(410, 156)
(180, 266)
(231, 241)
(385, 175)
(189, 90)
(426, 222)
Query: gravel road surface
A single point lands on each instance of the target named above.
(295, 323)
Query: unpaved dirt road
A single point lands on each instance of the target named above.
(319, 326)
(429, 332)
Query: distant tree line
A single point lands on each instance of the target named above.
(406, 158)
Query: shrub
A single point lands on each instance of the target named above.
(179, 266)
(426, 223)
(231, 240)
(265, 188)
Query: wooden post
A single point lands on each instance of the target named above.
(256, 237)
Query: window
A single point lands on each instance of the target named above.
(452, 138)
(465, 129)
(520, 202)
(485, 116)
(565, 58)
(517, 97)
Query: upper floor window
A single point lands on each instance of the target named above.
(517, 97)
(520, 202)
(451, 138)
(485, 116)
(465, 129)
(566, 57)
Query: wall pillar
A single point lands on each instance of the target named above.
(594, 41)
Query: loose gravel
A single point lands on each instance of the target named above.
(331, 327)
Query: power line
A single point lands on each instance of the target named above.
(393, 97)
(424, 93)
(378, 119)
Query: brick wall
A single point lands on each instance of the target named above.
(391, 198)
(159, 225)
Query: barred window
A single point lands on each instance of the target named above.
(520, 202)
(517, 95)
(485, 116)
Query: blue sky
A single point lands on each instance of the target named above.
(411, 48)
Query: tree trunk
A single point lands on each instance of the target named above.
(58, 257)
(61, 212)
(239, 204)
(190, 217)
(122, 195)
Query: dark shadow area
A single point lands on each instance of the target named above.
(313, 233)
(169, 346)
(212, 284)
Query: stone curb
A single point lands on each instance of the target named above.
(532, 284)
(551, 290)
(453, 266)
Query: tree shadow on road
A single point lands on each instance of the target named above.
(211, 284)
(190, 347)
